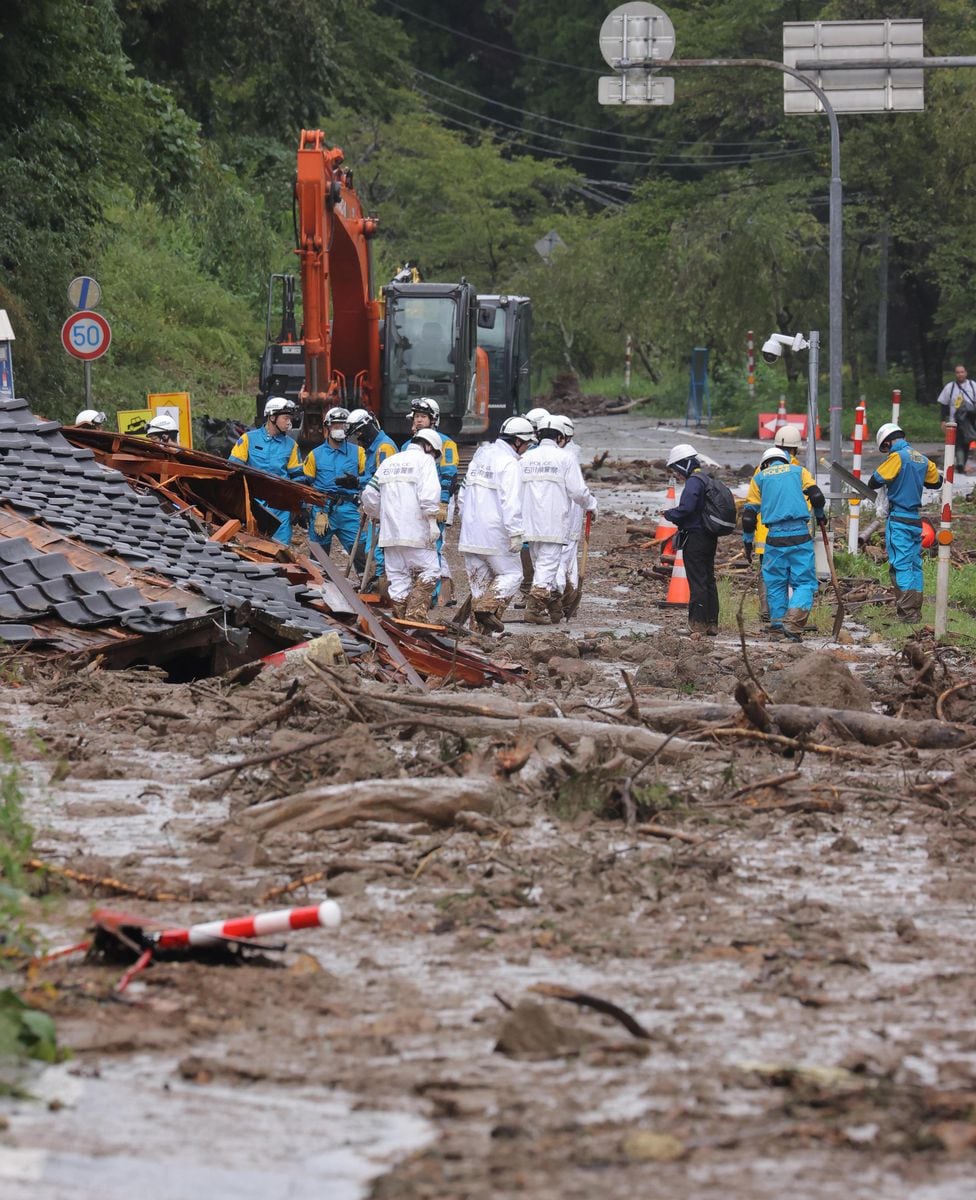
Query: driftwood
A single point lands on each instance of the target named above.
(401, 801)
(797, 720)
(558, 992)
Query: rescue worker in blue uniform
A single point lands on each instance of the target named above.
(269, 448)
(780, 491)
(365, 431)
(426, 414)
(336, 466)
(904, 473)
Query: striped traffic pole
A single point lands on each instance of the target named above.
(780, 415)
(895, 406)
(854, 522)
(327, 915)
(628, 357)
(751, 363)
(944, 536)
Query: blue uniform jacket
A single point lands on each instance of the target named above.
(778, 491)
(277, 455)
(326, 463)
(379, 448)
(903, 473)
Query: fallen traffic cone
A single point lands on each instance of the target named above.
(678, 590)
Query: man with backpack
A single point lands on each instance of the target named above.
(705, 512)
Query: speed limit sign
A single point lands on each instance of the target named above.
(86, 335)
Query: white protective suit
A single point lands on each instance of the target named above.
(568, 573)
(405, 494)
(491, 522)
(553, 487)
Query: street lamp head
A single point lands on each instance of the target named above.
(774, 346)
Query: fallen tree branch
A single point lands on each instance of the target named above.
(105, 882)
(557, 992)
(940, 702)
(662, 831)
(771, 781)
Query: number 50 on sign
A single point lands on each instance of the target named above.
(86, 335)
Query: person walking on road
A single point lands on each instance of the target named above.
(696, 544)
(959, 396)
(780, 491)
(787, 438)
(492, 525)
(553, 486)
(404, 494)
(270, 448)
(904, 473)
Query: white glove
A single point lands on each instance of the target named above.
(433, 533)
(515, 543)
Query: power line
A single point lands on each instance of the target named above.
(549, 62)
(564, 141)
(525, 112)
(681, 162)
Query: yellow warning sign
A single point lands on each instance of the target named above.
(177, 405)
(134, 420)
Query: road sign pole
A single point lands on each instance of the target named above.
(88, 385)
(813, 400)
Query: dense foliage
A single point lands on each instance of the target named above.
(151, 143)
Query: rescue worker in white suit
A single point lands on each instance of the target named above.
(492, 530)
(405, 494)
(552, 483)
(567, 577)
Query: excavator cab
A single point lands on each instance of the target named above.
(282, 371)
(428, 349)
(504, 333)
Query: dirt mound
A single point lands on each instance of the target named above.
(817, 679)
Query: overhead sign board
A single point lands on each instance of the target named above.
(636, 32)
(871, 90)
(86, 335)
(637, 88)
(546, 246)
(84, 292)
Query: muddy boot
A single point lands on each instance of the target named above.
(399, 608)
(446, 597)
(568, 599)
(909, 607)
(418, 602)
(795, 621)
(779, 633)
(554, 606)
(537, 611)
(383, 589)
(697, 630)
(485, 615)
(712, 631)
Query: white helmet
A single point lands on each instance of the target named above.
(430, 437)
(537, 416)
(517, 427)
(430, 408)
(359, 420)
(788, 437)
(888, 430)
(91, 417)
(336, 416)
(163, 426)
(774, 454)
(680, 453)
(276, 405)
(557, 424)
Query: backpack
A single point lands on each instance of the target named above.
(718, 513)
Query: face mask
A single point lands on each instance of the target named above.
(337, 435)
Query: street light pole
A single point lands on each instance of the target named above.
(835, 248)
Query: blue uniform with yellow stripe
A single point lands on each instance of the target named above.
(788, 565)
(904, 473)
(323, 466)
(276, 454)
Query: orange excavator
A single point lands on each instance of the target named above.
(416, 339)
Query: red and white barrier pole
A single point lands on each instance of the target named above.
(327, 915)
(895, 406)
(628, 357)
(751, 363)
(854, 521)
(944, 536)
(780, 415)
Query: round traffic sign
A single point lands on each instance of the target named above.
(635, 32)
(86, 335)
(84, 292)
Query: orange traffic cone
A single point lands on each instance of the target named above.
(678, 590)
(780, 415)
(664, 534)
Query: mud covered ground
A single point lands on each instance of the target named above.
(788, 932)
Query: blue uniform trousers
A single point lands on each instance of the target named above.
(370, 536)
(903, 541)
(786, 569)
(283, 532)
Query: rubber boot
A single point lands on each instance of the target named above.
(418, 602)
(383, 589)
(446, 597)
(554, 606)
(485, 615)
(568, 596)
(697, 630)
(712, 631)
(795, 621)
(399, 608)
(537, 611)
(909, 606)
